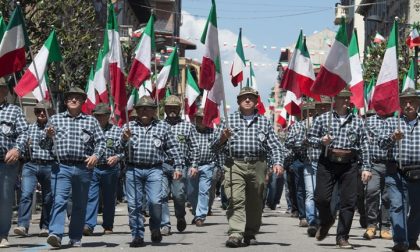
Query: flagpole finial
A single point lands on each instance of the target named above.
(397, 18)
(18, 3)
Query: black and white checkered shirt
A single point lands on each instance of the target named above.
(185, 134)
(349, 135)
(295, 140)
(205, 138)
(112, 143)
(77, 137)
(410, 144)
(374, 124)
(151, 144)
(36, 135)
(13, 126)
(254, 139)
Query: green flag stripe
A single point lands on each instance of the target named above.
(17, 19)
(353, 48)
(173, 61)
(239, 47)
(53, 48)
(392, 41)
(342, 33)
(212, 19)
(2, 28)
(191, 81)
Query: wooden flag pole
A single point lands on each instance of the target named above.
(330, 123)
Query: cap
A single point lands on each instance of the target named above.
(344, 93)
(145, 101)
(43, 105)
(199, 113)
(248, 90)
(75, 90)
(173, 100)
(101, 109)
(3, 82)
(409, 93)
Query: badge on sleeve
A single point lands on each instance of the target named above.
(85, 137)
(261, 137)
(157, 142)
(109, 143)
(181, 138)
(5, 129)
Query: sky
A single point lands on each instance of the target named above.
(267, 26)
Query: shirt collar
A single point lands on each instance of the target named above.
(176, 121)
(407, 121)
(256, 115)
(81, 115)
(3, 105)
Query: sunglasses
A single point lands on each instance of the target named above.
(38, 111)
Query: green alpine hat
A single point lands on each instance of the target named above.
(145, 101)
(248, 90)
(101, 109)
(75, 90)
(409, 93)
(173, 100)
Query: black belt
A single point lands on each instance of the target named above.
(72, 163)
(144, 166)
(42, 162)
(249, 159)
(102, 166)
(379, 161)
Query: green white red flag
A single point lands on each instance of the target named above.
(292, 103)
(378, 38)
(101, 75)
(409, 78)
(253, 84)
(356, 83)
(133, 99)
(49, 52)
(369, 92)
(92, 98)
(238, 65)
(413, 38)
(282, 118)
(385, 98)
(13, 44)
(192, 92)
(2, 28)
(169, 70)
(335, 73)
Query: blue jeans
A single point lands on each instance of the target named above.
(179, 195)
(309, 174)
(274, 190)
(8, 174)
(104, 180)
(298, 167)
(403, 195)
(139, 181)
(31, 174)
(198, 191)
(66, 181)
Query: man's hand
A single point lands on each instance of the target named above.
(177, 175)
(193, 172)
(111, 161)
(226, 134)
(126, 134)
(326, 140)
(91, 162)
(278, 170)
(50, 131)
(366, 176)
(11, 156)
(397, 135)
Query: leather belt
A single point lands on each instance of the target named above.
(72, 163)
(249, 159)
(144, 166)
(42, 162)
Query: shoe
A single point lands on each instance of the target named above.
(344, 244)
(43, 233)
(165, 231)
(156, 236)
(21, 231)
(87, 231)
(54, 241)
(386, 234)
(303, 223)
(108, 231)
(400, 247)
(294, 214)
(413, 246)
(322, 231)
(4, 243)
(181, 224)
(75, 243)
(370, 233)
(199, 222)
(362, 222)
(137, 242)
(233, 242)
(209, 213)
(250, 240)
(311, 231)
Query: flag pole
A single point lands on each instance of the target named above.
(152, 12)
(329, 123)
(19, 98)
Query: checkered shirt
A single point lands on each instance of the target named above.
(351, 135)
(113, 146)
(77, 137)
(256, 139)
(185, 133)
(36, 138)
(152, 144)
(374, 124)
(410, 144)
(295, 140)
(204, 139)
(13, 127)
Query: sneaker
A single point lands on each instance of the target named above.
(137, 242)
(21, 231)
(233, 242)
(54, 241)
(165, 231)
(156, 236)
(108, 231)
(75, 243)
(181, 224)
(87, 231)
(43, 233)
(4, 243)
(400, 247)
(250, 240)
(386, 234)
(199, 222)
(370, 233)
(303, 223)
(413, 246)
(344, 244)
(311, 231)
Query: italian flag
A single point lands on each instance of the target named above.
(101, 75)
(409, 78)
(192, 92)
(253, 84)
(378, 38)
(272, 103)
(211, 72)
(90, 103)
(292, 103)
(2, 28)
(336, 73)
(282, 118)
(13, 43)
(116, 66)
(141, 66)
(385, 98)
(146, 89)
(356, 83)
(413, 38)
(238, 65)
(133, 99)
(170, 69)
(49, 52)
(369, 91)
(299, 76)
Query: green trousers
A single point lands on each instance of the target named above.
(244, 189)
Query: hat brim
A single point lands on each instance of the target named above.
(248, 93)
(409, 96)
(101, 113)
(144, 105)
(75, 93)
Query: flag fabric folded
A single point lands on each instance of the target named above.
(413, 38)
(238, 65)
(292, 103)
(282, 118)
(133, 99)
(368, 92)
(101, 75)
(378, 38)
(356, 83)
(2, 28)
(170, 69)
(253, 84)
(92, 98)
(409, 78)
(192, 92)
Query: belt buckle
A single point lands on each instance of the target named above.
(246, 159)
(340, 159)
